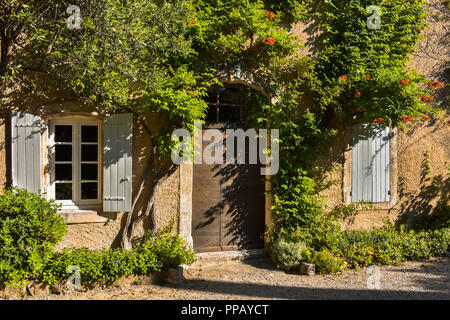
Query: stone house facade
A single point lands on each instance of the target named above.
(94, 165)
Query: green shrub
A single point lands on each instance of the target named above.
(327, 263)
(287, 255)
(388, 245)
(168, 249)
(29, 230)
(89, 261)
(155, 253)
(426, 244)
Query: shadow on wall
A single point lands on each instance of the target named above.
(428, 208)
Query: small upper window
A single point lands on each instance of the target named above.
(226, 104)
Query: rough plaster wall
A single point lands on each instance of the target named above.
(167, 210)
(333, 195)
(414, 186)
(94, 235)
(306, 34)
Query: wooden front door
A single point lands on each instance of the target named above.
(228, 204)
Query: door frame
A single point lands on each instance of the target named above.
(186, 170)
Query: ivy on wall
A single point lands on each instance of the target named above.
(358, 75)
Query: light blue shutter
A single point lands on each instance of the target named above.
(26, 151)
(370, 163)
(117, 163)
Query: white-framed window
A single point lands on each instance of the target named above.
(82, 161)
(75, 162)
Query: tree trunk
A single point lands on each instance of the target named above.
(131, 223)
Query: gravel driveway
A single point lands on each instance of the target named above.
(258, 279)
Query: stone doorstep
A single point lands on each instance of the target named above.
(207, 258)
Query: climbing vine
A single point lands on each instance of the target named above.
(358, 75)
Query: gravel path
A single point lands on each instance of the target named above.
(258, 279)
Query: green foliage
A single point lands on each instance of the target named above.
(386, 245)
(354, 50)
(287, 255)
(155, 253)
(290, 10)
(231, 32)
(352, 45)
(313, 98)
(326, 263)
(29, 229)
(333, 249)
(168, 249)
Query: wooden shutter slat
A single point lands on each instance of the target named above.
(370, 164)
(117, 163)
(26, 151)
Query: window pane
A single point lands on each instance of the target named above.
(63, 191)
(89, 171)
(229, 114)
(211, 115)
(63, 172)
(89, 152)
(63, 152)
(89, 190)
(229, 95)
(63, 133)
(212, 96)
(89, 134)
